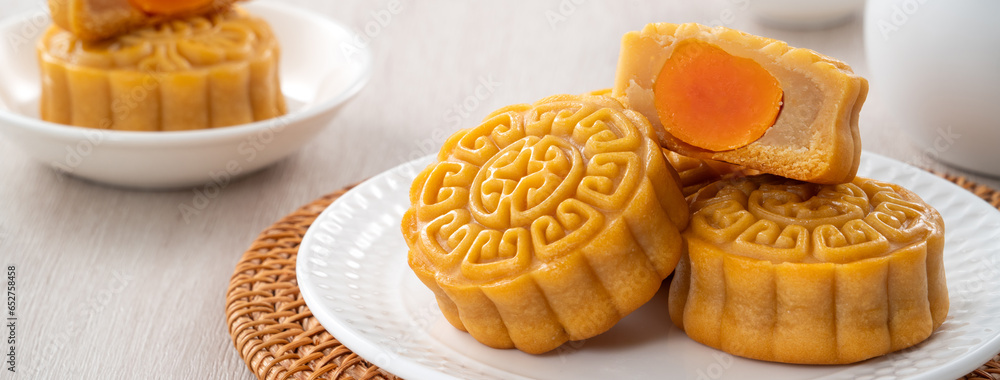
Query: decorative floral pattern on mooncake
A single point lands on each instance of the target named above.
(546, 223)
(194, 73)
(786, 271)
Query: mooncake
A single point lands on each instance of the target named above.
(92, 20)
(193, 73)
(786, 271)
(721, 94)
(601, 92)
(697, 173)
(546, 223)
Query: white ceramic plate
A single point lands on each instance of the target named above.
(321, 68)
(353, 274)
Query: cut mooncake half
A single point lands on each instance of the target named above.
(546, 223)
(694, 173)
(92, 20)
(793, 272)
(194, 73)
(718, 93)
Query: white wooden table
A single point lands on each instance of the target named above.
(114, 283)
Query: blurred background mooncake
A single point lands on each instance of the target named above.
(197, 72)
(721, 94)
(546, 223)
(92, 20)
(786, 271)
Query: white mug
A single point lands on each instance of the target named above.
(805, 14)
(936, 64)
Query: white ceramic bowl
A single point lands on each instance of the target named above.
(318, 77)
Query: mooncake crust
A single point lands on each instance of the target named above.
(546, 223)
(696, 173)
(815, 137)
(194, 73)
(693, 173)
(92, 20)
(785, 271)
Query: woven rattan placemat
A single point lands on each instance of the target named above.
(277, 336)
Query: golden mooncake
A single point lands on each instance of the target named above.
(92, 20)
(193, 73)
(601, 92)
(721, 94)
(546, 223)
(786, 271)
(695, 173)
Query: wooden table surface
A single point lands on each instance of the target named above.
(114, 283)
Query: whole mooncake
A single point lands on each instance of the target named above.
(193, 73)
(92, 20)
(794, 272)
(546, 223)
(721, 94)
